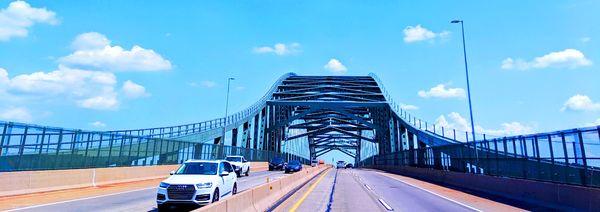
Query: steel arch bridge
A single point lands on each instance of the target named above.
(317, 114)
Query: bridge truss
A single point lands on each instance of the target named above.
(317, 115)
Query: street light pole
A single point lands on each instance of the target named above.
(467, 73)
(226, 109)
(462, 27)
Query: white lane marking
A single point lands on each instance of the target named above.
(80, 199)
(438, 195)
(368, 187)
(385, 205)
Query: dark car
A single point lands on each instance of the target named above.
(349, 165)
(277, 163)
(293, 166)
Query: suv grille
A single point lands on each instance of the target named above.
(181, 192)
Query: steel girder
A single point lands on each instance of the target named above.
(334, 110)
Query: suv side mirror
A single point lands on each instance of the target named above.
(244, 160)
(224, 173)
(172, 173)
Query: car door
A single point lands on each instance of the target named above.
(245, 164)
(231, 177)
(224, 179)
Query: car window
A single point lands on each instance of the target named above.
(202, 168)
(234, 159)
(227, 167)
(221, 168)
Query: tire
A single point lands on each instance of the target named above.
(248, 172)
(216, 195)
(234, 190)
(163, 207)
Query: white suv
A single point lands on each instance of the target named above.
(197, 182)
(240, 164)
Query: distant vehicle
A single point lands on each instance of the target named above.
(321, 162)
(349, 165)
(314, 163)
(293, 166)
(341, 165)
(197, 182)
(240, 164)
(277, 163)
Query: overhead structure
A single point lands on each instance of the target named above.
(303, 118)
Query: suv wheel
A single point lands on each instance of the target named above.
(216, 195)
(248, 172)
(163, 207)
(234, 190)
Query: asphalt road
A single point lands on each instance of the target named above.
(141, 199)
(366, 190)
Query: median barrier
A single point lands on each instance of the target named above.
(25, 182)
(264, 196)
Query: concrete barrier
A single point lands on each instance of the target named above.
(535, 193)
(25, 182)
(264, 196)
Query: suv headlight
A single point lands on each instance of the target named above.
(163, 185)
(204, 185)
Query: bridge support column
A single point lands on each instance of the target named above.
(411, 148)
(246, 134)
(197, 151)
(422, 151)
(234, 135)
(255, 132)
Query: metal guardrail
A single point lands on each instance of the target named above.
(34, 147)
(568, 156)
(30, 147)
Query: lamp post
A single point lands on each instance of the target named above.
(467, 73)
(226, 109)
(462, 26)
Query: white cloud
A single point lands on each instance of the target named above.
(19, 16)
(208, 84)
(592, 124)
(459, 123)
(93, 51)
(408, 107)
(89, 89)
(585, 39)
(98, 124)
(568, 58)
(580, 103)
(440, 91)
(90, 41)
(19, 114)
(134, 90)
(335, 66)
(278, 49)
(240, 88)
(419, 33)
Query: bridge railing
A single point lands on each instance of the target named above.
(569, 156)
(31, 147)
(219, 123)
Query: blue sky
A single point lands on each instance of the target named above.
(135, 64)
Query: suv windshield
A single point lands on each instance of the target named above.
(234, 159)
(277, 160)
(202, 168)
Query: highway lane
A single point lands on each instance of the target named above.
(139, 200)
(403, 197)
(368, 190)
